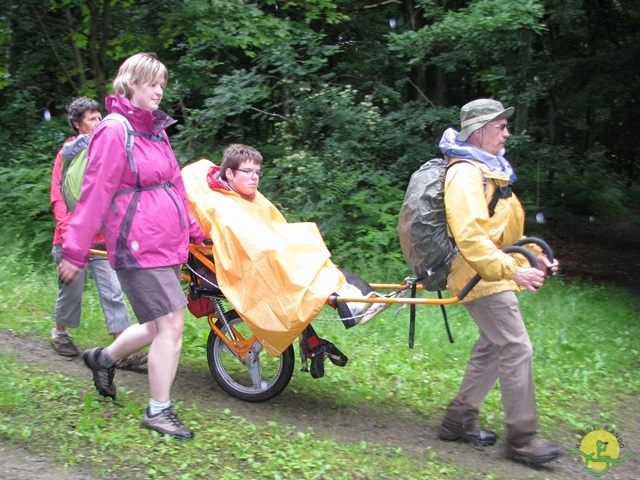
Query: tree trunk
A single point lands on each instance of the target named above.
(99, 34)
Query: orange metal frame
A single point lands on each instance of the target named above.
(241, 346)
(202, 253)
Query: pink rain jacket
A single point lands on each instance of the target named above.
(144, 213)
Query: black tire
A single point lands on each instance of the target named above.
(234, 377)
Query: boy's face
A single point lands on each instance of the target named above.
(244, 179)
(90, 119)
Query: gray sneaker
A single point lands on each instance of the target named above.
(62, 344)
(102, 376)
(167, 423)
(133, 361)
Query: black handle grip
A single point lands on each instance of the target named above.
(517, 248)
(543, 245)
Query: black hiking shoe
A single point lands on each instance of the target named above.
(102, 376)
(475, 436)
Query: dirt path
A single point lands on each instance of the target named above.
(584, 249)
(398, 428)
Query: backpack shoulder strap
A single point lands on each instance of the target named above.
(73, 147)
(498, 193)
(464, 160)
(128, 136)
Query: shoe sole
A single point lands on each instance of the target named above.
(345, 315)
(531, 460)
(133, 367)
(368, 316)
(66, 354)
(453, 437)
(71, 353)
(186, 436)
(101, 391)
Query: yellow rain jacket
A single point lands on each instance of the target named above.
(277, 275)
(479, 237)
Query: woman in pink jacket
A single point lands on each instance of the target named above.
(140, 202)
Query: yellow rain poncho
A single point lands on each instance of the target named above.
(277, 275)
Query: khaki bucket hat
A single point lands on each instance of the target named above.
(475, 115)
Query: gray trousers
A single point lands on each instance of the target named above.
(68, 307)
(503, 352)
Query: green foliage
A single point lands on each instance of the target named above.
(334, 117)
(355, 208)
(106, 438)
(579, 188)
(25, 182)
(465, 36)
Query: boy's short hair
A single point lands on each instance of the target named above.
(235, 154)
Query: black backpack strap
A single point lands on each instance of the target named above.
(444, 317)
(498, 193)
(412, 316)
(129, 145)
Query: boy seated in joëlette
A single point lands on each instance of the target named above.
(277, 275)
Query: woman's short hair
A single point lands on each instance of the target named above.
(139, 68)
(78, 107)
(235, 154)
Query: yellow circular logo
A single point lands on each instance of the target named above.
(599, 447)
(600, 450)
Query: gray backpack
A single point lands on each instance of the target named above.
(422, 225)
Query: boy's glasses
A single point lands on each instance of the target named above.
(250, 173)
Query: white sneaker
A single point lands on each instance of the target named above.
(355, 308)
(362, 312)
(372, 309)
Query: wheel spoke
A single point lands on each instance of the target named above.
(253, 377)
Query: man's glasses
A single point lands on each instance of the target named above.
(250, 173)
(501, 126)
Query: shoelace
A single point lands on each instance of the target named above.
(172, 417)
(107, 374)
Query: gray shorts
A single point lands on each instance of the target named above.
(68, 309)
(153, 292)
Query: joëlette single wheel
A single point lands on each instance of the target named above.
(259, 377)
